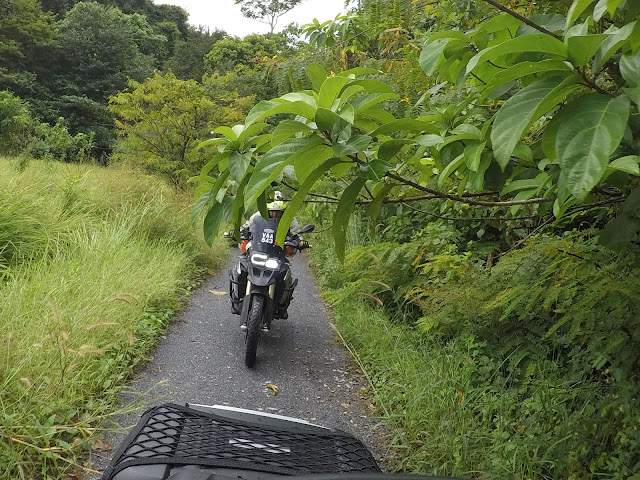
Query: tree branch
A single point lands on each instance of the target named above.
(522, 18)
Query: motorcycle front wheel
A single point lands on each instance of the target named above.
(254, 327)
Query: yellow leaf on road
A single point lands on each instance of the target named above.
(217, 292)
(273, 388)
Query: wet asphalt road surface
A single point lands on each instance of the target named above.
(201, 360)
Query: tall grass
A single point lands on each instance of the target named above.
(93, 262)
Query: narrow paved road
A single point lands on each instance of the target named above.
(201, 360)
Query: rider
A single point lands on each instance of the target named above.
(276, 210)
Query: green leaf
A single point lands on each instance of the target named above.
(365, 102)
(330, 90)
(211, 141)
(582, 48)
(449, 169)
(374, 86)
(390, 148)
(500, 22)
(599, 10)
(429, 140)
(591, 129)
(432, 55)
(227, 132)
(374, 207)
(250, 130)
(312, 159)
(630, 68)
(198, 206)
(576, 10)
(325, 119)
(316, 74)
(375, 170)
(348, 92)
(238, 206)
(299, 197)
(215, 160)
(265, 109)
(287, 129)
(518, 185)
(342, 215)
(271, 164)
(214, 218)
(523, 69)
(616, 38)
(405, 124)
(355, 144)
(472, 155)
(625, 228)
(520, 111)
(628, 164)
(553, 22)
(261, 203)
(238, 164)
(358, 71)
(538, 42)
(633, 94)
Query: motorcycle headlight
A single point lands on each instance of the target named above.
(258, 258)
(272, 263)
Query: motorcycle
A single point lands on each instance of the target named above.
(201, 442)
(260, 285)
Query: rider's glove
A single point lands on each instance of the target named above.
(303, 244)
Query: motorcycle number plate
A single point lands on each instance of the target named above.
(267, 236)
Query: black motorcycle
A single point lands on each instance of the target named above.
(261, 286)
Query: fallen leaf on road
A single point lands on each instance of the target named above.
(273, 388)
(100, 446)
(345, 405)
(217, 292)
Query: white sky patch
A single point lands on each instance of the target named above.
(225, 14)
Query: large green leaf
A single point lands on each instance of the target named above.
(238, 164)
(325, 119)
(523, 69)
(342, 215)
(227, 132)
(591, 129)
(214, 218)
(582, 48)
(527, 43)
(251, 130)
(265, 109)
(520, 111)
(630, 68)
(628, 164)
(374, 207)
(311, 160)
(390, 148)
(449, 169)
(365, 102)
(238, 206)
(577, 8)
(432, 54)
(355, 144)
(616, 38)
(330, 90)
(299, 197)
(287, 129)
(375, 170)
(198, 206)
(406, 124)
(271, 164)
(316, 74)
(472, 155)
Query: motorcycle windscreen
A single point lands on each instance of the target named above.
(263, 235)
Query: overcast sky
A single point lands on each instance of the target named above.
(225, 15)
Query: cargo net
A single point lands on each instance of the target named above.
(175, 435)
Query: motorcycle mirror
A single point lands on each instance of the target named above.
(308, 228)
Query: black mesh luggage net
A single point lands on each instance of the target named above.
(177, 435)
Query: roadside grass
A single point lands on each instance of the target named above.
(468, 390)
(93, 263)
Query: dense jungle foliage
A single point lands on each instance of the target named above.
(475, 164)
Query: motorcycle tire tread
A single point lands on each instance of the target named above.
(254, 326)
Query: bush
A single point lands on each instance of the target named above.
(55, 142)
(16, 125)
